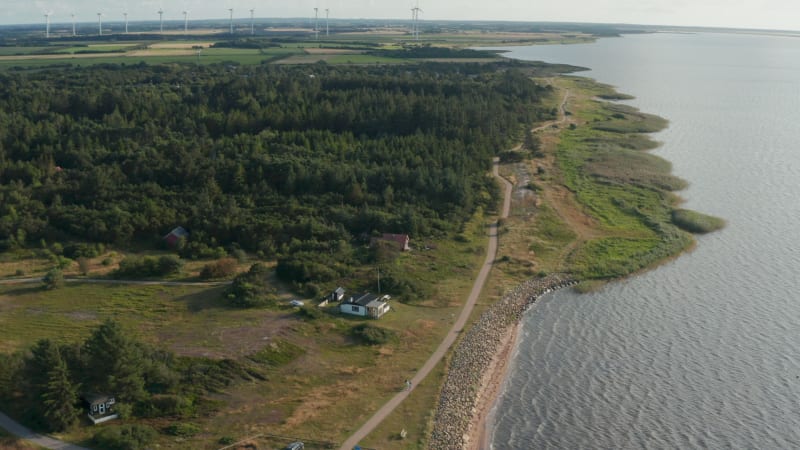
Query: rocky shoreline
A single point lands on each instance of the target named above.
(459, 399)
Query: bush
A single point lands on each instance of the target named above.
(304, 267)
(84, 265)
(222, 268)
(166, 406)
(404, 286)
(309, 312)
(124, 437)
(372, 335)
(226, 440)
(182, 429)
(251, 289)
(240, 255)
(511, 156)
(74, 251)
(136, 266)
(53, 279)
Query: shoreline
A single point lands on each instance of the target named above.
(478, 436)
(479, 365)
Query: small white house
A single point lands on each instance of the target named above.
(365, 305)
(101, 407)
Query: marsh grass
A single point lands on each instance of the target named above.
(627, 190)
(695, 222)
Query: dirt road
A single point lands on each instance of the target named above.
(38, 439)
(452, 335)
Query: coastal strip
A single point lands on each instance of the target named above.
(478, 366)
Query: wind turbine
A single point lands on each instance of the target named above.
(73, 24)
(231, 11)
(126, 21)
(252, 30)
(327, 28)
(100, 22)
(185, 22)
(47, 24)
(316, 23)
(161, 19)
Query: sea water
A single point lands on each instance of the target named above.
(703, 352)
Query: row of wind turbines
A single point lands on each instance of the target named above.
(160, 21)
(414, 22)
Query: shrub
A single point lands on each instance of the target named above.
(124, 437)
(240, 255)
(372, 335)
(182, 429)
(309, 312)
(84, 265)
(222, 268)
(81, 250)
(304, 267)
(511, 156)
(251, 289)
(166, 406)
(53, 279)
(226, 440)
(135, 266)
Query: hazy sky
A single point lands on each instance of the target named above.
(771, 14)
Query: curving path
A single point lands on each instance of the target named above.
(452, 335)
(38, 439)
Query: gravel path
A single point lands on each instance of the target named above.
(452, 335)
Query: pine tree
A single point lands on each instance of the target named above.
(116, 362)
(60, 397)
(52, 393)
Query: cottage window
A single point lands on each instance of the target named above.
(94, 408)
(355, 308)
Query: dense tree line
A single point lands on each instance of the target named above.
(281, 160)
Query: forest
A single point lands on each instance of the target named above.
(285, 162)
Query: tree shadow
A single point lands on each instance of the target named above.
(211, 298)
(19, 290)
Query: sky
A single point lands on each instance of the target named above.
(766, 14)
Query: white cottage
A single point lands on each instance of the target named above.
(365, 305)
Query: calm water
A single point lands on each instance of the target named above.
(703, 352)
